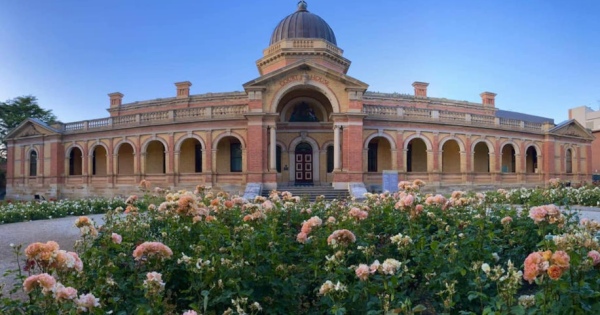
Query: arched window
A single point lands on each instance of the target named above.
(330, 159)
(236, 156)
(569, 161)
(372, 156)
(33, 157)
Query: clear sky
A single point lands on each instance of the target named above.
(541, 57)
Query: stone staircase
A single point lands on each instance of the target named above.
(312, 192)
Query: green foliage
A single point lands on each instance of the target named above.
(437, 256)
(19, 211)
(15, 111)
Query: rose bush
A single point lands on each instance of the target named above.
(407, 252)
(19, 211)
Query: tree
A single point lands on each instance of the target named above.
(15, 111)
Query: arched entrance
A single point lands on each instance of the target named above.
(303, 164)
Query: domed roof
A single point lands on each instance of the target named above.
(303, 24)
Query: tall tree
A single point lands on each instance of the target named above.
(13, 112)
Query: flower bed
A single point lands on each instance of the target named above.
(588, 195)
(19, 211)
(206, 253)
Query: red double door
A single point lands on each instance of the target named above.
(304, 164)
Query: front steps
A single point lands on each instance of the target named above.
(312, 192)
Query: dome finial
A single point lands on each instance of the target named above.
(302, 5)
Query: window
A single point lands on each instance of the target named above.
(198, 158)
(372, 157)
(236, 157)
(569, 161)
(33, 163)
(72, 162)
(330, 159)
(278, 158)
(513, 161)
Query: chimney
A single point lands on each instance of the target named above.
(183, 89)
(488, 99)
(116, 99)
(420, 89)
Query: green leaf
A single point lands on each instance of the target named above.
(419, 308)
(517, 310)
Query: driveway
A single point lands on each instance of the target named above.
(60, 230)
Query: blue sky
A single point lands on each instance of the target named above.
(540, 57)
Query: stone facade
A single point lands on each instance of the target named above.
(303, 121)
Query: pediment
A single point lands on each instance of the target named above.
(31, 128)
(307, 72)
(572, 129)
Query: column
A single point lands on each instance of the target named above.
(336, 148)
(273, 150)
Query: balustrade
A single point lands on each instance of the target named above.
(185, 114)
(415, 113)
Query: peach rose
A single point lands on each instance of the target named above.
(362, 272)
(554, 272)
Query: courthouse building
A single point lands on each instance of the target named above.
(302, 121)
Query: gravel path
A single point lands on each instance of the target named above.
(60, 230)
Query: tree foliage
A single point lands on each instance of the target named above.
(15, 111)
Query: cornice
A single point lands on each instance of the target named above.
(190, 101)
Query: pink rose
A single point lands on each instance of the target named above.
(116, 238)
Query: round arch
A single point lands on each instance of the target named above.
(93, 147)
(489, 144)
(292, 103)
(326, 144)
(30, 149)
(228, 134)
(573, 150)
(535, 146)
(147, 142)
(281, 144)
(315, 157)
(186, 137)
(418, 136)
(461, 145)
(120, 143)
(309, 85)
(71, 147)
(382, 135)
(514, 145)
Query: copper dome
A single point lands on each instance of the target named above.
(303, 24)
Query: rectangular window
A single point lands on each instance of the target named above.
(33, 164)
(372, 157)
(198, 157)
(236, 157)
(330, 159)
(278, 158)
(72, 164)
